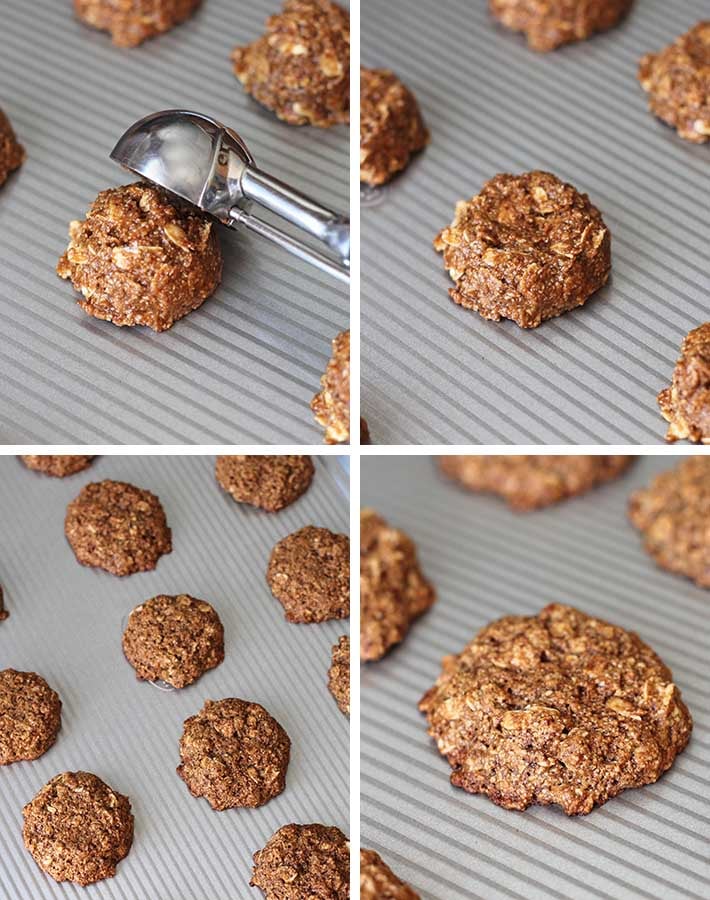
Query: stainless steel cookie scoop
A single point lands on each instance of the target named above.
(209, 165)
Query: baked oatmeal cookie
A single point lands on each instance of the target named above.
(527, 248)
(141, 258)
(130, 22)
(268, 482)
(557, 708)
(391, 126)
(300, 68)
(378, 881)
(548, 24)
(30, 716)
(304, 861)
(57, 466)
(685, 405)
(339, 674)
(12, 154)
(331, 405)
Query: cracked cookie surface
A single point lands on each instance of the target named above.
(30, 715)
(548, 24)
(378, 881)
(12, 154)
(302, 861)
(57, 466)
(331, 405)
(130, 22)
(267, 482)
(685, 405)
(339, 674)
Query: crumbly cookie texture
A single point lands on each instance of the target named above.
(77, 828)
(532, 482)
(672, 516)
(393, 590)
(117, 527)
(677, 81)
(30, 716)
(558, 708)
(527, 248)
(140, 258)
(268, 482)
(549, 24)
(685, 405)
(234, 753)
(57, 466)
(378, 881)
(339, 674)
(12, 154)
(331, 405)
(301, 861)
(300, 68)
(130, 22)
(176, 639)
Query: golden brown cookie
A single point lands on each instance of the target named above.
(339, 674)
(12, 154)
(30, 716)
(304, 861)
(393, 590)
(268, 482)
(532, 482)
(549, 24)
(331, 405)
(685, 405)
(140, 258)
(234, 754)
(528, 248)
(57, 466)
(677, 81)
(130, 22)
(391, 126)
(300, 68)
(378, 881)
(117, 527)
(558, 708)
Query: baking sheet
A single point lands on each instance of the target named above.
(485, 562)
(242, 368)
(433, 372)
(66, 623)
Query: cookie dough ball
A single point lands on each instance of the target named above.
(30, 716)
(12, 154)
(77, 828)
(175, 639)
(304, 861)
(57, 466)
(527, 248)
(558, 708)
(533, 482)
(139, 258)
(677, 81)
(268, 482)
(339, 674)
(549, 24)
(393, 590)
(378, 881)
(391, 126)
(130, 22)
(300, 68)
(309, 574)
(685, 405)
(117, 527)
(672, 516)
(331, 406)
(234, 754)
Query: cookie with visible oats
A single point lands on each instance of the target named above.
(130, 22)
(548, 24)
(685, 405)
(527, 248)
(77, 828)
(142, 258)
(117, 527)
(234, 753)
(57, 466)
(556, 708)
(268, 482)
(331, 405)
(339, 674)
(302, 861)
(30, 716)
(378, 881)
(12, 154)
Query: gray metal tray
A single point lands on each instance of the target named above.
(242, 368)
(433, 372)
(485, 562)
(66, 623)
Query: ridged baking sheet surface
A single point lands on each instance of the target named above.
(436, 373)
(242, 368)
(486, 562)
(66, 623)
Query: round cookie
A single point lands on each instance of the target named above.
(391, 126)
(393, 590)
(685, 405)
(339, 674)
(130, 22)
(549, 24)
(268, 482)
(309, 574)
(331, 406)
(528, 248)
(140, 258)
(533, 482)
(558, 708)
(234, 753)
(378, 881)
(175, 639)
(672, 516)
(30, 716)
(677, 81)
(12, 154)
(117, 527)
(300, 69)
(57, 466)
(77, 828)
(302, 861)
